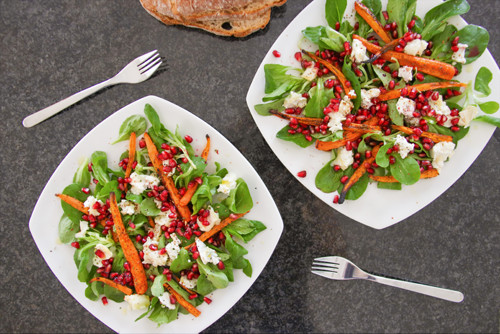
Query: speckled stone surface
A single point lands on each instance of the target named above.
(51, 49)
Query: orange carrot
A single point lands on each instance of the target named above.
(206, 150)
(429, 66)
(396, 93)
(131, 154)
(184, 303)
(191, 292)
(151, 222)
(335, 70)
(348, 136)
(426, 174)
(217, 228)
(436, 137)
(302, 120)
(129, 250)
(372, 21)
(363, 128)
(74, 203)
(186, 198)
(126, 290)
(166, 180)
(358, 173)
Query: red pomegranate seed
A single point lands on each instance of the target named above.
(344, 179)
(420, 77)
(220, 265)
(336, 199)
(142, 143)
(302, 173)
(207, 300)
(276, 53)
(189, 139)
(99, 253)
(172, 300)
(104, 300)
(75, 244)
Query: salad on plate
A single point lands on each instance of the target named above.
(378, 91)
(160, 231)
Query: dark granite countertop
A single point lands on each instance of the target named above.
(51, 49)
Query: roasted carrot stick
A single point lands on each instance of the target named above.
(372, 21)
(389, 46)
(217, 228)
(184, 303)
(302, 120)
(429, 66)
(348, 136)
(74, 203)
(426, 174)
(129, 250)
(126, 290)
(186, 198)
(396, 93)
(335, 70)
(436, 137)
(191, 292)
(363, 128)
(131, 154)
(358, 173)
(206, 150)
(166, 180)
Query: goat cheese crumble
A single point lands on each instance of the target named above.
(212, 219)
(358, 53)
(336, 117)
(90, 202)
(128, 207)
(228, 184)
(416, 47)
(107, 254)
(164, 299)
(188, 283)
(207, 254)
(294, 100)
(467, 115)
(367, 96)
(153, 257)
(404, 146)
(310, 73)
(406, 73)
(440, 153)
(344, 158)
(137, 302)
(406, 107)
(84, 227)
(141, 182)
(459, 55)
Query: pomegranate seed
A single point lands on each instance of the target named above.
(207, 300)
(392, 84)
(336, 199)
(104, 300)
(455, 128)
(455, 41)
(99, 253)
(193, 296)
(75, 244)
(189, 139)
(220, 265)
(298, 56)
(392, 160)
(420, 77)
(172, 300)
(337, 26)
(344, 179)
(302, 173)
(386, 15)
(86, 190)
(142, 143)
(276, 53)
(411, 24)
(454, 48)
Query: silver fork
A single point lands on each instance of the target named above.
(138, 70)
(339, 268)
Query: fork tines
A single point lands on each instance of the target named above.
(321, 265)
(152, 59)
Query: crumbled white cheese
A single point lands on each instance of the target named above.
(163, 218)
(416, 47)
(141, 182)
(165, 300)
(336, 117)
(310, 73)
(467, 115)
(406, 73)
(128, 207)
(89, 203)
(173, 248)
(358, 52)
(137, 302)
(97, 261)
(294, 100)
(188, 283)
(228, 183)
(459, 55)
(441, 108)
(84, 227)
(406, 107)
(344, 158)
(404, 146)
(367, 96)
(153, 257)
(212, 219)
(440, 152)
(207, 255)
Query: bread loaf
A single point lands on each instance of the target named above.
(237, 18)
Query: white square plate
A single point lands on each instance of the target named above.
(377, 208)
(47, 212)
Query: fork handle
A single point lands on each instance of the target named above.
(57, 107)
(446, 294)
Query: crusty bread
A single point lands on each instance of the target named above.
(237, 18)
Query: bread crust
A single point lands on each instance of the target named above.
(237, 23)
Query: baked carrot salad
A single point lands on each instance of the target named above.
(378, 90)
(157, 231)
